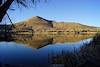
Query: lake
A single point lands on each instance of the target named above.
(39, 49)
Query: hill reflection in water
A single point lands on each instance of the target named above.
(38, 41)
(39, 49)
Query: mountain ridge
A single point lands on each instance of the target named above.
(40, 23)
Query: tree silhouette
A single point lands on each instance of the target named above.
(5, 5)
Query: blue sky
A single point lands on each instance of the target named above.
(81, 11)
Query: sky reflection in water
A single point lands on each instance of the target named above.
(15, 53)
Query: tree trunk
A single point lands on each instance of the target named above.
(4, 8)
(0, 2)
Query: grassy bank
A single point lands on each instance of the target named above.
(89, 55)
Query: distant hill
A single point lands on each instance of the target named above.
(36, 23)
(40, 24)
(72, 26)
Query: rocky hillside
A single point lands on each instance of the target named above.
(36, 23)
(72, 26)
(40, 24)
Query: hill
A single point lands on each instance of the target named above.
(36, 23)
(42, 25)
(72, 26)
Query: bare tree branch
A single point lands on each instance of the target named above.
(4, 8)
(10, 20)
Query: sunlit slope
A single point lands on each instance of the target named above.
(36, 23)
(72, 26)
(40, 24)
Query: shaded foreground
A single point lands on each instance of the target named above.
(89, 55)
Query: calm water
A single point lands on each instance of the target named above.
(39, 49)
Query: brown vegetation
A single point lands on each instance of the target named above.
(40, 24)
(89, 55)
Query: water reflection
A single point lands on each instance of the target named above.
(38, 41)
(70, 38)
(39, 49)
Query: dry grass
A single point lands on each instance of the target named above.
(89, 55)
